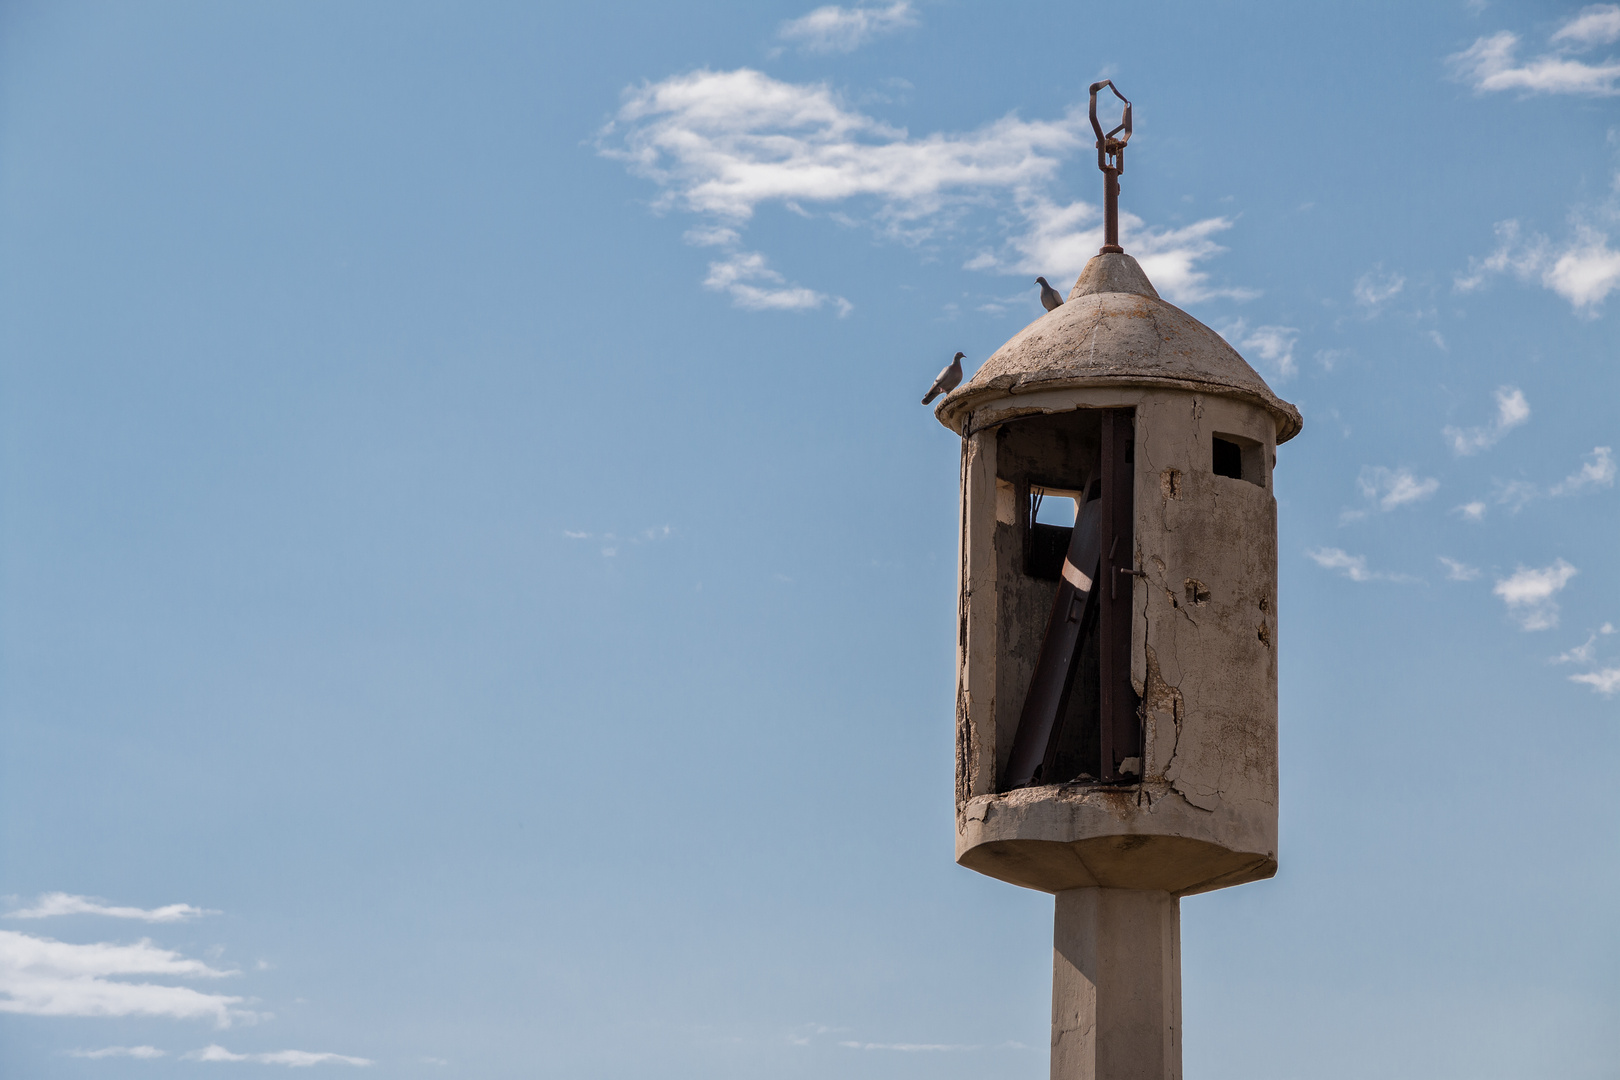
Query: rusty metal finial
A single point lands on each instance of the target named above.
(1111, 160)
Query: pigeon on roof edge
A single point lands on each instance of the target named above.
(1050, 299)
(948, 380)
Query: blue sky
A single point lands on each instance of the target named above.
(478, 584)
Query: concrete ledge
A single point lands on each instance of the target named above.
(1069, 837)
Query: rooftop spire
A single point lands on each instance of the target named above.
(1111, 160)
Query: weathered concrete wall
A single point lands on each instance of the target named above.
(1203, 659)
(1116, 985)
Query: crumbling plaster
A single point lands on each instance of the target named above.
(1203, 659)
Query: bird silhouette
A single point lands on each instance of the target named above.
(1049, 296)
(948, 380)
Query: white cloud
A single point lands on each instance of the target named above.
(1459, 571)
(840, 29)
(1474, 511)
(45, 977)
(1596, 25)
(723, 143)
(1582, 654)
(1351, 566)
(1584, 271)
(59, 903)
(1390, 488)
(1605, 681)
(711, 236)
(1529, 593)
(294, 1058)
(144, 1052)
(1598, 471)
(1491, 64)
(1273, 345)
(1375, 287)
(755, 286)
(1512, 410)
(1060, 239)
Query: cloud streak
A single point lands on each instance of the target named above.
(54, 904)
(1597, 471)
(1491, 63)
(1388, 489)
(1512, 410)
(1584, 270)
(45, 977)
(1351, 566)
(1529, 593)
(722, 144)
(834, 29)
(294, 1058)
(1272, 346)
(1605, 681)
(144, 1053)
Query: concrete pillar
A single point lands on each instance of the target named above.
(1116, 985)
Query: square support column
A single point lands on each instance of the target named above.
(1116, 985)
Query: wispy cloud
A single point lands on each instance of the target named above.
(755, 286)
(60, 903)
(143, 1052)
(1529, 593)
(1386, 489)
(1597, 471)
(1459, 571)
(1583, 270)
(1376, 288)
(1582, 654)
(1596, 25)
(612, 541)
(1059, 239)
(1273, 346)
(1605, 681)
(1492, 63)
(1512, 410)
(721, 144)
(834, 29)
(1351, 566)
(45, 977)
(294, 1058)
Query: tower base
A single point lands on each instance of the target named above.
(1116, 985)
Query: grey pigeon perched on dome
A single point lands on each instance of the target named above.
(1050, 299)
(948, 380)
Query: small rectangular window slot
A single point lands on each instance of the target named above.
(1239, 458)
(1051, 526)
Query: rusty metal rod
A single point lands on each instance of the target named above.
(1111, 160)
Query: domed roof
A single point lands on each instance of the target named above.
(1115, 331)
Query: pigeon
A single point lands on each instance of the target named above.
(948, 379)
(1049, 296)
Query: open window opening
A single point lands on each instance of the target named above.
(1239, 458)
(1049, 524)
(1070, 477)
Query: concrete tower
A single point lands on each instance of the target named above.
(1117, 678)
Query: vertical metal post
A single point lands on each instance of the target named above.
(1111, 160)
(1120, 735)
